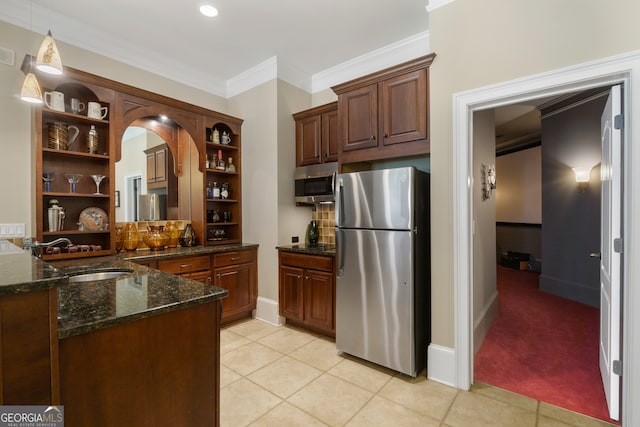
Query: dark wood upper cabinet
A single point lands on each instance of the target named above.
(385, 114)
(317, 135)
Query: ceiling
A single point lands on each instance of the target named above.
(171, 38)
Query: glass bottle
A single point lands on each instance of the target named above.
(224, 191)
(230, 166)
(312, 233)
(92, 140)
(216, 191)
(220, 164)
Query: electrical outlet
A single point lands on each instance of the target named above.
(8, 231)
(294, 239)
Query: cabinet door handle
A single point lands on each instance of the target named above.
(298, 277)
(385, 136)
(307, 277)
(209, 279)
(185, 265)
(219, 276)
(372, 137)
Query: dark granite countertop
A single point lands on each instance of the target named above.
(139, 255)
(329, 250)
(21, 272)
(88, 306)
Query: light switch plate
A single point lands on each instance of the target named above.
(8, 231)
(7, 56)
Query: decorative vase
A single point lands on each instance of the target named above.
(171, 229)
(130, 237)
(156, 238)
(188, 238)
(312, 233)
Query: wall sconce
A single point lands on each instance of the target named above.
(583, 175)
(488, 180)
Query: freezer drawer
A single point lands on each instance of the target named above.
(375, 297)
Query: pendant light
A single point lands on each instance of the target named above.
(48, 59)
(31, 91)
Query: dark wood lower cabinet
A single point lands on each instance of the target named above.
(237, 272)
(307, 291)
(162, 370)
(29, 349)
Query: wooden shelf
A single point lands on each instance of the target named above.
(221, 224)
(72, 116)
(223, 200)
(221, 146)
(61, 194)
(74, 153)
(223, 241)
(218, 171)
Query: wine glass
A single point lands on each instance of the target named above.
(73, 179)
(48, 177)
(97, 179)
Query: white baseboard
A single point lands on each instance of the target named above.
(267, 311)
(441, 363)
(484, 321)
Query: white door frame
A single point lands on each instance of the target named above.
(623, 69)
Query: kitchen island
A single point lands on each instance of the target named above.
(139, 349)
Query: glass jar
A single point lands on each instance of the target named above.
(171, 229)
(119, 238)
(156, 238)
(130, 237)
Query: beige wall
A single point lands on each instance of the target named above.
(485, 302)
(481, 43)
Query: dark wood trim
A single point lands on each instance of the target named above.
(517, 224)
(525, 146)
(316, 110)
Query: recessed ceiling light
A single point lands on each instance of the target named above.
(208, 10)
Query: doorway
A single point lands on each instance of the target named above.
(605, 72)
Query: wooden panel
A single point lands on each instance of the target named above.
(29, 348)
(315, 262)
(237, 281)
(161, 164)
(308, 140)
(151, 167)
(318, 299)
(403, 108)
(184, 265)
(231, 258)
(146, 372)
(291, 293)
(359, 118)
(330, 136)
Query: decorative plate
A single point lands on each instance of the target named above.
(94, 219)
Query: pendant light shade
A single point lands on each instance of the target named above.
(48, 59)
(31, 90)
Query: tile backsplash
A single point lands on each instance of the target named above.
(324, 214)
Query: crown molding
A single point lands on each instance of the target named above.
(255, 76)
(436, 4)
(387, 56)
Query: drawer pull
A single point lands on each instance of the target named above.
(235, 258)
(219, 276)
(307, 277)
(185, 265)
(299, 277)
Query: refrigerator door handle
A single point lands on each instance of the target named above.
(340, 252)
(339, 200)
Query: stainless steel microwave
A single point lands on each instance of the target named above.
(315, 183)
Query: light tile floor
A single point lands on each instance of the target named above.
(284, 376)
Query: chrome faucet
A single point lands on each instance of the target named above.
(35, 247)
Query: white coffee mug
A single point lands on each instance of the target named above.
(76, 105)
(54, 100)
(96, 111)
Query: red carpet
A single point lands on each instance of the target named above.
(543, 346)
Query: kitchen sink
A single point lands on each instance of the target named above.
(95, 276)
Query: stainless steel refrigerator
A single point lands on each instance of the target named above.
(383, 278)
